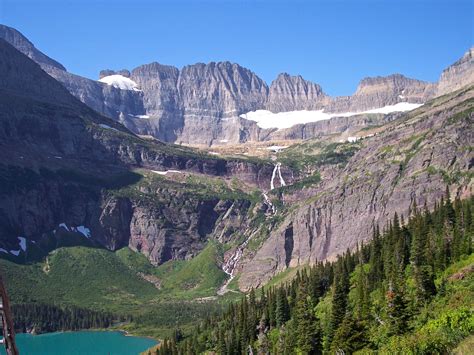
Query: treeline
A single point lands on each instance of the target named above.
(42, 318)
(366, 300)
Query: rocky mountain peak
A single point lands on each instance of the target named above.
(380, 91)
(159, 85)
(397, 83)
(20, 42)
(221, 89)
(290, 93)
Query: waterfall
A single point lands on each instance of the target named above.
(231, 263)
(277, 169)
(272, 186)
(268, 202)
(282, 182)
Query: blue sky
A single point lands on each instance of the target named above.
(333, 43)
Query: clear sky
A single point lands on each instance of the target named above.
(333, 43)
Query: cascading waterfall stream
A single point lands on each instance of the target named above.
(282, 182)
(277, 169)
(230, 265)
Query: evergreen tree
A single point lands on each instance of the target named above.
(349, 337)
(282, 313)
(339, 299)
(308, 337)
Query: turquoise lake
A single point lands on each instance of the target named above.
(81, 343)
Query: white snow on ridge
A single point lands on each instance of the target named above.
(107, 127)
(166, 172)
(277, 148)
(268, 119)
(120, 82)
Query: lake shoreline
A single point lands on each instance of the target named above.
(87, 341)
(122, 331)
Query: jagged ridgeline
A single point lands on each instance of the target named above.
(209, 104)
(407, 291)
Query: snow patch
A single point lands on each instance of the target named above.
(281, 120)
(277, 148)
(86, 232)
(223, 140)
(15, 252)
(107, 127)
(63, 225)
(3, 251)
(214, 153)
(141, 116)
(165, 172)
(22, 242)
(352, 139)
(120, 82)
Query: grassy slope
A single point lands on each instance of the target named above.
(198, 277)
(86, 277)
(103, 280)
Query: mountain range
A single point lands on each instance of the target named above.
(204, 104)
(93, 163)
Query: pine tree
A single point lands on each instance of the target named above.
(349, 337)
(282, 313)
(308, 337)
(396, 309)
(362, 294)
(339, 299)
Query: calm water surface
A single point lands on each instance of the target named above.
(83, 342)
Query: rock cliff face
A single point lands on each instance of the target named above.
(201, 104)
(411, 161)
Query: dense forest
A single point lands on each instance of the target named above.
(395, 294)
(41, 318)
